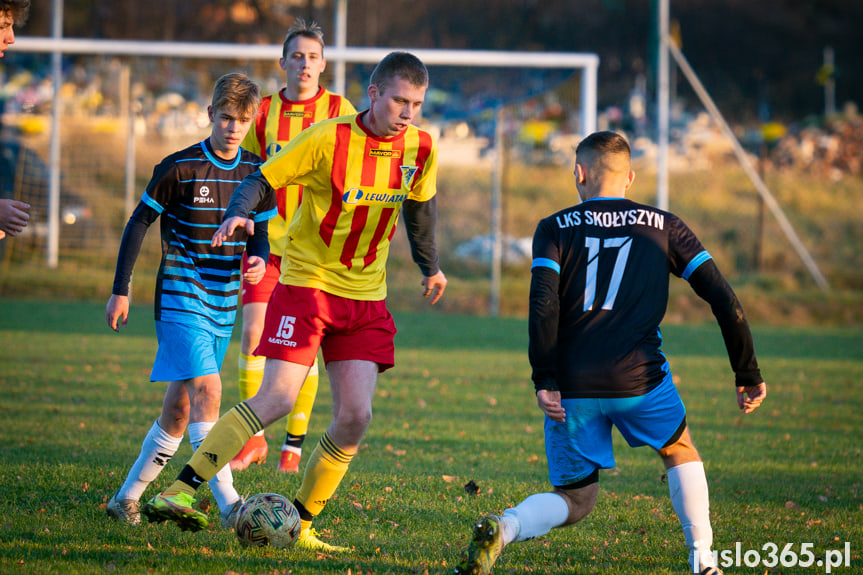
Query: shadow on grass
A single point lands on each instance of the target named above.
(83, 318)
(433, 330)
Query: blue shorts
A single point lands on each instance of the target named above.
(186, 352)
(582, 444)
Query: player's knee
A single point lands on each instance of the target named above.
(360, 419)
(175, 417)
(250, 337)
(680, 451)
(209, 393)
(354, 422)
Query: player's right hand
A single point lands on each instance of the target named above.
(549, 403)
(13, 217)
(117, 311)
(229, 226)
(256, 271)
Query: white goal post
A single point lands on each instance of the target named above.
(587, 63)
(340, 54)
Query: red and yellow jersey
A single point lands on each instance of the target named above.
(279, 120)
(354, 186)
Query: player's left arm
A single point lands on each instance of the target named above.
(709, 283)
(258, 252)
(434, 286)
(689, 260)
(750, 397)
(258, 244)
(420, 222)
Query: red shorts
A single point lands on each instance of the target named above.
(300, 320)
(260, 292)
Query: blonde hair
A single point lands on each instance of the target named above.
(236, 91)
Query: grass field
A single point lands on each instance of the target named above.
(75, 404)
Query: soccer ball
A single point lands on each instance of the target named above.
(268, 519)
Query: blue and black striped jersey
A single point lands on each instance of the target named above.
(599, 291)
(196, 284)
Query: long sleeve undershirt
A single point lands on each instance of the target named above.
(711, 286)
(133, 238)
(420, 221)
(130, 246)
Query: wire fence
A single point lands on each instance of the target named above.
(168, 99)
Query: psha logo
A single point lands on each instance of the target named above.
(285, 332)
(204, 196)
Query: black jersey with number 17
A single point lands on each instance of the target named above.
(599, 291)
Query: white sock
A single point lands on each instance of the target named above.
(156, 450)
(687, 485)
(533, 517)
(222, 484)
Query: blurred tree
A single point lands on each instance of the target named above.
(738, 47)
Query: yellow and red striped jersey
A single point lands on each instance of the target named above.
(354, 186)
(279, 120)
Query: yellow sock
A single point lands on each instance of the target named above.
(223, 442)
(298, 419)
(180, 487)
(324, 471)
(251, 373)
(304, 525)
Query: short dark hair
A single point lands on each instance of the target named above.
(604, 151)
(19, 9)
(310, 30)
(402, 64)
(606, 141)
